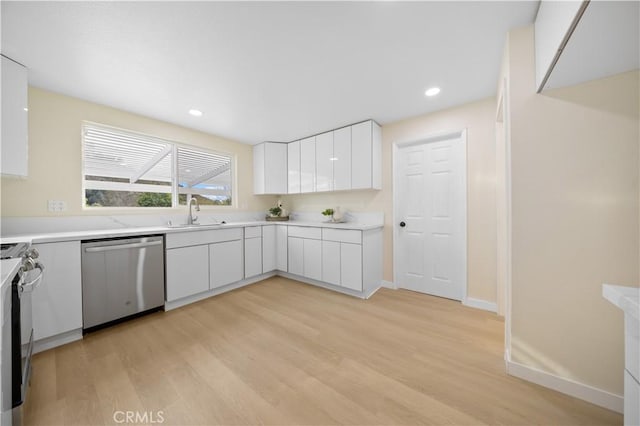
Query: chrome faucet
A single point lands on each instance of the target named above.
(191, 219)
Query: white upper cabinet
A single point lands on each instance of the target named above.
(338, 160)
(308, 164)
(324, 162)
(366, 149)
(270, 168)
(293, 159)
(258, 169)
(14, 138)
(342, 159)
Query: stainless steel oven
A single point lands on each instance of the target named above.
(19, 329)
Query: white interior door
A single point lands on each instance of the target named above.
(430, 186)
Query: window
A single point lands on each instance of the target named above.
(126, 169)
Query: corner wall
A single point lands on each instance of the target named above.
(575, 182)
(479, 120)
(55, 158)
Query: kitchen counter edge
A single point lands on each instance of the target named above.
(55, 237)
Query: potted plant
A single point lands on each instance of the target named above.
(275, 211)
(328, 212)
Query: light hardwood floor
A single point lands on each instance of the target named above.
(282, 352)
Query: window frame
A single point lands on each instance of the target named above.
(174, 187)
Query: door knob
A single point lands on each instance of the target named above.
(402, 224)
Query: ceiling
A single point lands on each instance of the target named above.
(264, 70)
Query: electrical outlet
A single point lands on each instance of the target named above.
(56, 205)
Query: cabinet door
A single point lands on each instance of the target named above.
(293, 161)
(308, 164)
(13, 140)
(361, 162)
(275, 168)
(281, 247)
(376, 156)
(331, 262)
(252, 257)
(225, 263)
(342, 159)
(312, 254)
(296, 260)
(324, 162)
(351, 266)
(268, 248)
(258, 169)
(187, 271)
(57, 302)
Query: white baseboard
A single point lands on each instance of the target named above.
(389, 284)
(372, 292)
(578, 390)
(57, 340)
(480, 304)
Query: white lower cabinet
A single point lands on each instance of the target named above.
(331, 262)
(305, 257)
(348, 258)
(269, 251)
(225, 263)
(342, 264)
(57, 302)
(187, 271)
(296, 259)
(351, 266)
(252, 257)
(281, 247)
(312, 255)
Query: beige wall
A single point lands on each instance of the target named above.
(479, 120)
(574, 162)
(55, 157)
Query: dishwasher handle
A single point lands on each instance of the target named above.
(122, 246)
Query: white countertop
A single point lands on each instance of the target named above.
(51, 237)
(625, 298)
(8, 269)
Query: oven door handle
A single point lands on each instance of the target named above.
(34, 283)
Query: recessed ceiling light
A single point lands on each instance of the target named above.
(195, 112)
(188, 170)
(25, 108)
(333, 159)
(432, 91)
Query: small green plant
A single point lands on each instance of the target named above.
(275, 211)
(328, 212)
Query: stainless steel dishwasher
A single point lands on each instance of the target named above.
(120, 278)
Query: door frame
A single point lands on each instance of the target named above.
(433, 137)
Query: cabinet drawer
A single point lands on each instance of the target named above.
(194, 238)
(342, 235)
(253, 231)
(305, 232)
